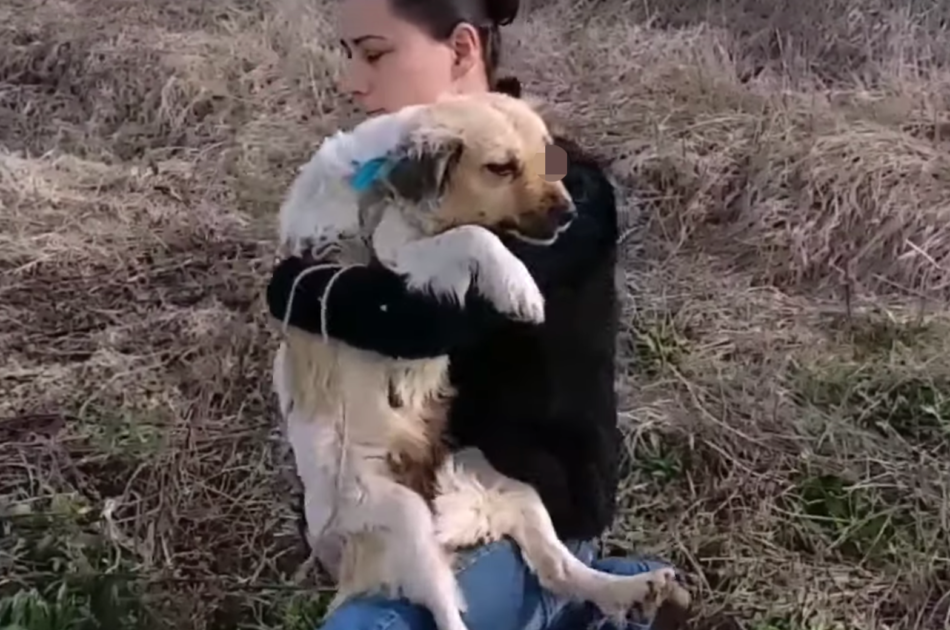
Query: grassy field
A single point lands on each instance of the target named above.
(785, 356)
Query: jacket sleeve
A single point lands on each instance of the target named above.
(372, 309)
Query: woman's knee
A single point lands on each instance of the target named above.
(378, 613)
(491, 577)
(500, 593)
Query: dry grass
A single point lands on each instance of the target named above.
(784, 361)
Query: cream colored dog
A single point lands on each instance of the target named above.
(385, 503)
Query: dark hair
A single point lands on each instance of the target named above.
(440, 17)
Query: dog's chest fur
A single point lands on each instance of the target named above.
(414, 459)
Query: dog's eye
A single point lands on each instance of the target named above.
(506, 169)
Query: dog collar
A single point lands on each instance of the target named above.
(367, 173)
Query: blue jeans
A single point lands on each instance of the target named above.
(501, 592)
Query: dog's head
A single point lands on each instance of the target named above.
(478, 160)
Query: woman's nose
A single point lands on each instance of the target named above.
(353, 82)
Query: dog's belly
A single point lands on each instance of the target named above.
(391, 413)
(325, 386)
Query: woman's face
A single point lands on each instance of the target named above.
(393, 63)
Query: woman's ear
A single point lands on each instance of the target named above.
(467, 48)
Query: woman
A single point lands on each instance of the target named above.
(539, 401)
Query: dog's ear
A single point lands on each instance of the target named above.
(423, 171)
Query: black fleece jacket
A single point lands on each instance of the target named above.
(539, 401)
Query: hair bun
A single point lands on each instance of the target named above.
(502, 12)
(509, 85)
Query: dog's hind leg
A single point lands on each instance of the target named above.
(485, 503)
(413, 557)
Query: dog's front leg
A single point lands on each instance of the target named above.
(449, 263)
(412, 552)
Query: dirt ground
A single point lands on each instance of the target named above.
(785, 360)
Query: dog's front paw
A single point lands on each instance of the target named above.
(641, 596)
(505, 282)
(515, 295)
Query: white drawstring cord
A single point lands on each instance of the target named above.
(342, 432)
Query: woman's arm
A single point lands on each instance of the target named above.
(371, 308)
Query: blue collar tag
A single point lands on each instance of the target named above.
(367, 173)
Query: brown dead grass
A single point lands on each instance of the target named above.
(784, 359)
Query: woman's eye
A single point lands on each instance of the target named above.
(372, 57)
(506, 169)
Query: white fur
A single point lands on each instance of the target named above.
(445, 265)
(375, 534)
(321, 206)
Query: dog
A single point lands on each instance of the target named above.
(385, 503)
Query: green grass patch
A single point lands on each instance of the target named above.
(656, 458)
(130, 434)
(305, 611)
(893, 399)
(658, 344)
(67, 575)
(859, 521)
(888, 373)
(881, 333)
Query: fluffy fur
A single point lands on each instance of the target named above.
(385, 503)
